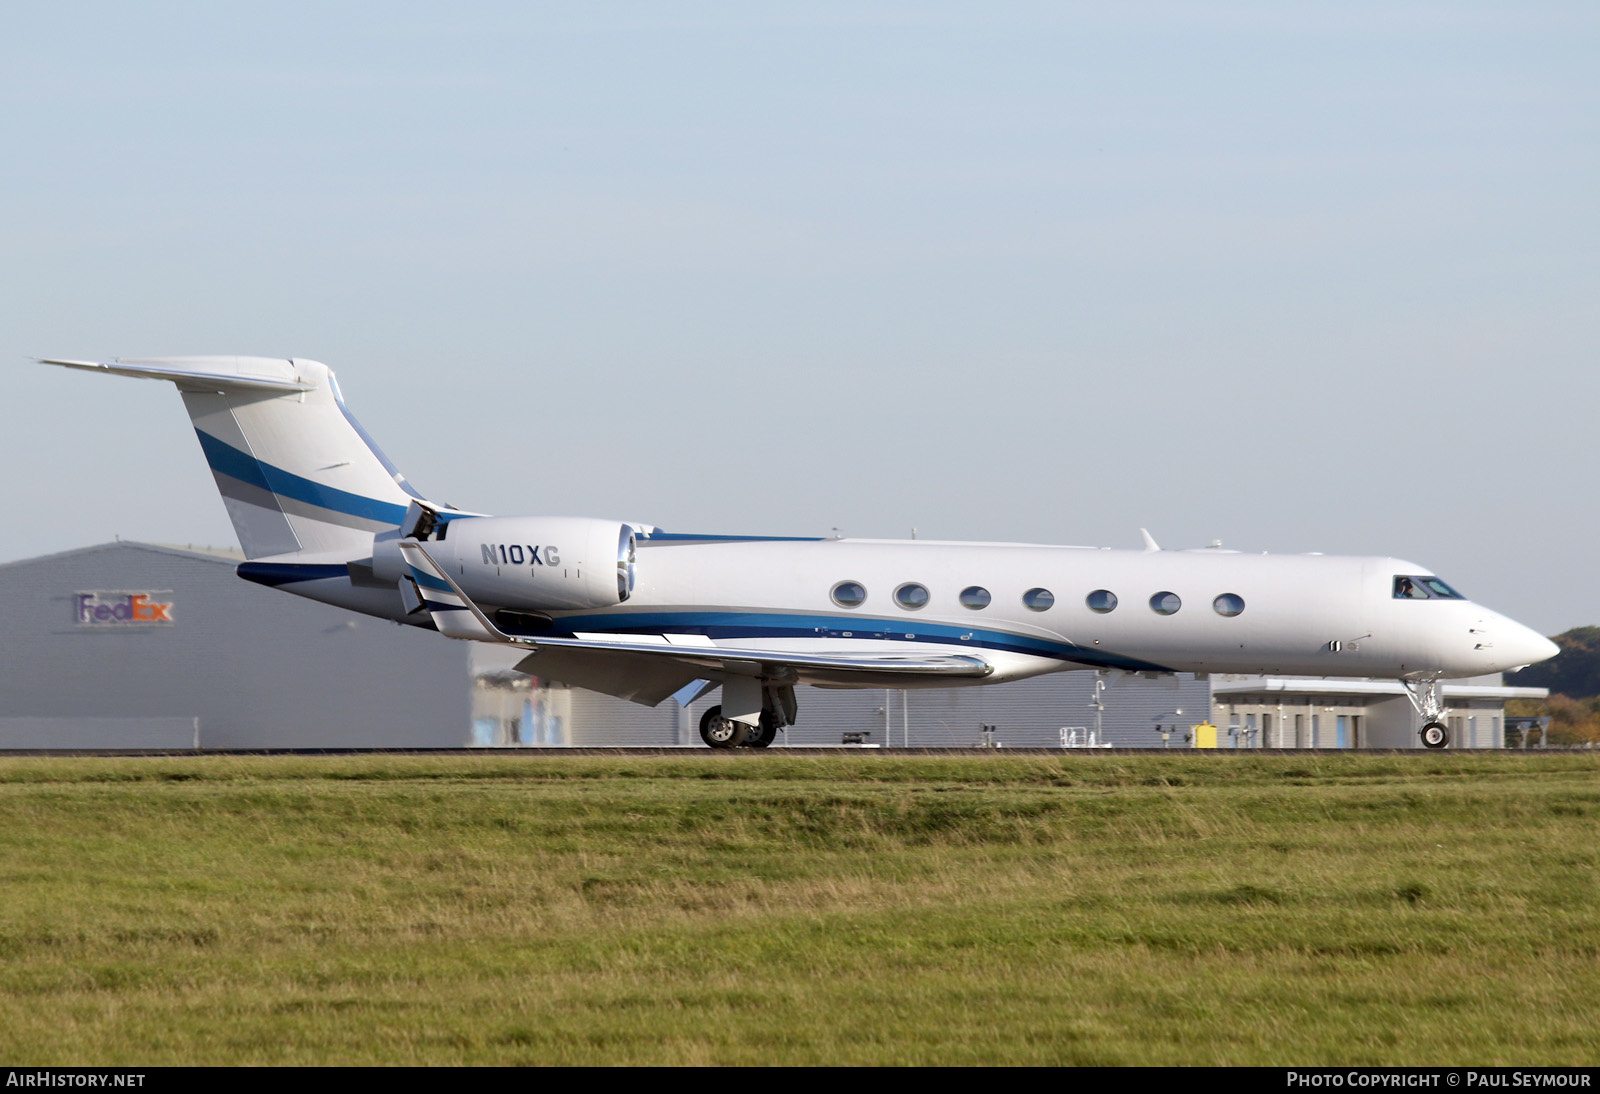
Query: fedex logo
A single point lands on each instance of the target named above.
(122, 609)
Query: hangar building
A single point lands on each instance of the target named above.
(132, 645)
(1312, 712)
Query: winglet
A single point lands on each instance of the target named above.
(1150, 543)
(452, 611)
(692, 691)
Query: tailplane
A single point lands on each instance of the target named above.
(297, 473)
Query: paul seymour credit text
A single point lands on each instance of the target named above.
(1460, 1077)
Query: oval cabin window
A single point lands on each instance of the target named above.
(849, 594)
(911, 596)
(975, 597)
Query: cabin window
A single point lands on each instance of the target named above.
(849, 594)
(1165, 603)
(1229, 604)
(975, 597)
(1038, 600)
(911, 596)
(1102, 601)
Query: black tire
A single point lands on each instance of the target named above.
(765, 733)
(720, 732)
(1435, 735)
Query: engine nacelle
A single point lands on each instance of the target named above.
(535, 564)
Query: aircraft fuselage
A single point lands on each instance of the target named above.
(1025, 609)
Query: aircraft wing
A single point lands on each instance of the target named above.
(747, 661)
(454, 614)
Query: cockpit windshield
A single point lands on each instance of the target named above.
(1421, 587)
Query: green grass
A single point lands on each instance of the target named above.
(773, 908)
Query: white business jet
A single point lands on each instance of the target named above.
(633, 611)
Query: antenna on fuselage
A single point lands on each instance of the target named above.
(1150, 543)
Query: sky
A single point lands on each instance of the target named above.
(1296, 277)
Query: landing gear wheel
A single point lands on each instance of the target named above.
(720, 732)
(764, 734)
(1435, 735)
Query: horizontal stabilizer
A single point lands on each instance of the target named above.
(202, 373)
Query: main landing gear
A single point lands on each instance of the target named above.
(778, 710)
(720, 732)
(1426, 698)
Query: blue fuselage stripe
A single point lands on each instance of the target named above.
(691, 538)
(287, 573)
(755, 626)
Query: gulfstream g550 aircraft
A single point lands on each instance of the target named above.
(633, 611)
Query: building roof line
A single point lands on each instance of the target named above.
(1255, 685)
(222, 555)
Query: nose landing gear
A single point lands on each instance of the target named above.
(1426, 699)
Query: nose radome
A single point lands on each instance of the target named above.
(1503, 644)
(1524, 646)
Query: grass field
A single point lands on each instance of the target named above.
(781, 908)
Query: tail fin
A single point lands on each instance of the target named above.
(297, 473)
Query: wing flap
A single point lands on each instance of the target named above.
(748, 660)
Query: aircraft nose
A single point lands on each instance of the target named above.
(1524, 646)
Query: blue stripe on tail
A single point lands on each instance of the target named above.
(228, 460)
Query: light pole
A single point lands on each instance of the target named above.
(1098, 703)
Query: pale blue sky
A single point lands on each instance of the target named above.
(1295, 276)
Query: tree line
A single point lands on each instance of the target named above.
(1573, 677)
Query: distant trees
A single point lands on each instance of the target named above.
(1573, 677)
(1572, 721)
(1575, 671)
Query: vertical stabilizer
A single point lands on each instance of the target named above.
(297, 473)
